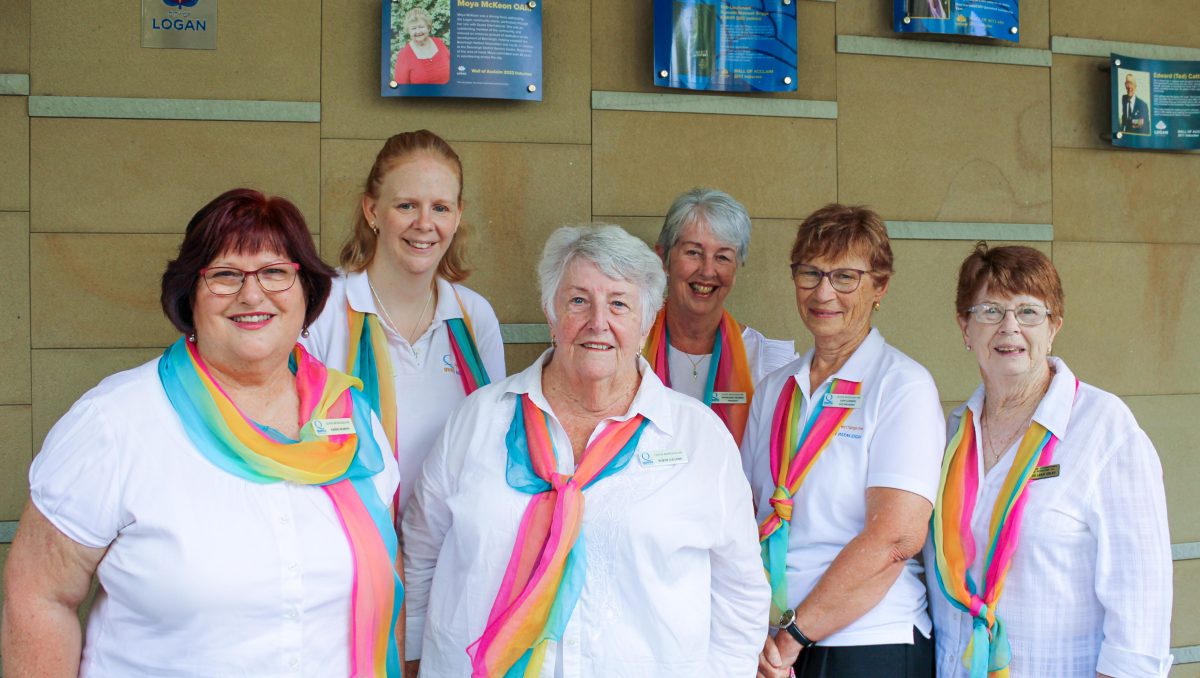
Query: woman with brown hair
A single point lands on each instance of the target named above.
(398, 317)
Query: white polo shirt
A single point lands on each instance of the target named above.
(206, 573)
(895, 439)
(428, 386)
(689, 373)
(674, 585)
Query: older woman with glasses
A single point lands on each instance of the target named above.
(695, 345)
(842, 452)
(1037, 456)
(579, 518)
(232, 496)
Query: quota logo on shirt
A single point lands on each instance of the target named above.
(448, 365)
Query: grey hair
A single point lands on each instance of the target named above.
(615, 252)
(725, 217)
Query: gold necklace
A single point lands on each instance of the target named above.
(388, 317)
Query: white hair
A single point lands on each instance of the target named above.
(617, 254)
(725, 218)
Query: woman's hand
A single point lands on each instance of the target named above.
(47, 577)
(771, 664)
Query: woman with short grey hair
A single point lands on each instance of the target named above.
(659, 574)
(695, 345)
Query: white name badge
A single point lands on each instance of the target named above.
(849, 401)
(662, 457)
(729, 398)
(333, 427)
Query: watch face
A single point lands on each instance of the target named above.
(786, 618)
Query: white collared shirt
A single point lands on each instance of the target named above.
(428, 386)
(894, 439)
(674, 584)
(206, 573)
(764, 355)
(1089, 588)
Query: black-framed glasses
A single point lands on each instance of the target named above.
(1029, 315)
(224, 280)
(843, 280)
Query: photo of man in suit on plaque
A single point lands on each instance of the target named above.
(1135, 111)
(929, 9)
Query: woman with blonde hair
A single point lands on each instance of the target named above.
(398, 317)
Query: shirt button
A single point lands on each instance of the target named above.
(291, 614)
(292, 566)
(294, 662)
(285, 519)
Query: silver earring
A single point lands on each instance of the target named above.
(192, 338)
(304, 332)
(374, 228)
(968, 347)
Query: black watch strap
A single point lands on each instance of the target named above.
(796, 633)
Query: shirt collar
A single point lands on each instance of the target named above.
(361, 299)
(1054, 410)
(857, 367)
(651, 400)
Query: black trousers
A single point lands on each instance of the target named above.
(869, 661)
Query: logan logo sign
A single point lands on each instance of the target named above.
(179, 24)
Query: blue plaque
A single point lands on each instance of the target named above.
(725, 45)
(1155, 103)
(998, 19)
(490, 49)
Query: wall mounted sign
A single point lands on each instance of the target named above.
(179, 24)
(998, 19)
(489, 49)
(725, 45)
(1155, 103)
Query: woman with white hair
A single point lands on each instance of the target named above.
(695, 345)
(579, 518)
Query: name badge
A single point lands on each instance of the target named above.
(333, 427)
(662, 457)
(1045, 472)
(849, 401)
(729, 398)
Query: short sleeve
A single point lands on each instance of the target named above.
(75, 481)
(775, 353)
(909, 440)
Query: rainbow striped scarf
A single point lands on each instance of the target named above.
(793, 454)
(369, 360)
(342, 464)
(954, 543)
(728, 369)
(546, 571)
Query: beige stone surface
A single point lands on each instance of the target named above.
(519, 356)
(15, 455)
(264, 51)
(14, 36)
(1080, 102)
(514, 196)
(14, 154)
(61, 376)
(1185, 624)
(151, 176)
(1163, 22)
(1132, 320)
(1126, 196)
(867, 17)
(351, 106)
(623, 51)
(14, 308)
(777, 167)
(99, 290)
(925, 140)
(1171, 423)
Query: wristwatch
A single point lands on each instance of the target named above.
(787, 622)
